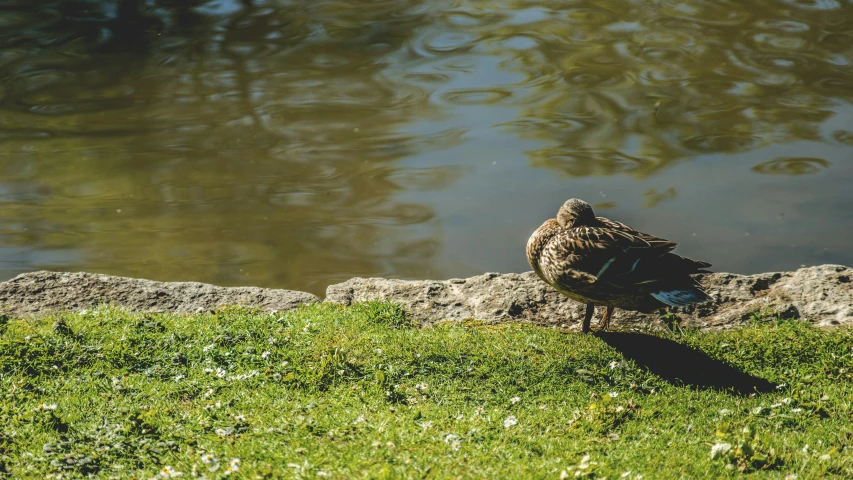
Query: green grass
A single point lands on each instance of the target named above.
(358, 393)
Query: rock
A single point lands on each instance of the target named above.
(41, 292)
(822, 295)
(491, 297)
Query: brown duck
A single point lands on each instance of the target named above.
(597, 261)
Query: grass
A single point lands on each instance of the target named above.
(328, 391)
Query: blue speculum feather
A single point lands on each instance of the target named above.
(681, 298)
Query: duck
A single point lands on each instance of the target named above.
(598, 261)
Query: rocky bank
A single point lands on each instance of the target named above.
(822, 295)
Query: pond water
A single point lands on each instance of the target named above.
(294, 144)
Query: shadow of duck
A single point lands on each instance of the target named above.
(681, 365)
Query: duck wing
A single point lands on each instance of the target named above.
(653, 241)
(592, 253)
(612, 259)
(657, 271)
(616, 254)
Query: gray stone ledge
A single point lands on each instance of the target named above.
(43, 292)
(822, 295)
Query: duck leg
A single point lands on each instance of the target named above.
(590, 309)
(604, 324)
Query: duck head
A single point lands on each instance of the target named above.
(575, 213)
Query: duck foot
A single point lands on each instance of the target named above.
(604, 324)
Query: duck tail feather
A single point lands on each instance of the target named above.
(681, 297)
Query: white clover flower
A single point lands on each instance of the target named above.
(456, 445)
(180, 377)
(360, 419)
(271, 340)
(426, 425)
(240, 418)
(169, 472)
(208, 393)
(422, 387)
(613, 394)
(265, 354)
(514, 400)
(719, 449)
(221, 432)
(390, 445)
(725, 411)
(46, 406)
(449, 438)
(233, 466)
(208, 458)
(220, 372)
(208, 370)
(208, 348)
(510, 421)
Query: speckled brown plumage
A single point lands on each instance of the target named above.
(598, 261)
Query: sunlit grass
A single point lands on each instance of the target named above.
(359, 393)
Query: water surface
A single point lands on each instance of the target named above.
(294, 144)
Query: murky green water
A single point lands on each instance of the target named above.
(297, 143)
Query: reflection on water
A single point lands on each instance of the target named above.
(295, 144)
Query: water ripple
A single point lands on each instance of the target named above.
(791, 166)
(435, 43)
(586, 162)
(475, 96)
(722, 143)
